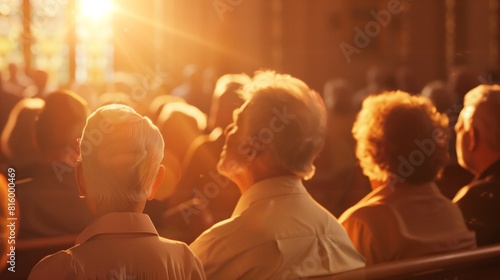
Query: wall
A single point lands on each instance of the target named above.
(303, 37)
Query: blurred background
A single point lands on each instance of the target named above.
(163, 58)
(89, 41)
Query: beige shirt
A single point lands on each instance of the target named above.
(411, 221)
(277, 231)
(121, 245)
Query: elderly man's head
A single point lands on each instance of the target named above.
(282, 124)
(478, 128)
(402, 137)
(121, 153)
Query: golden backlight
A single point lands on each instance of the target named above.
(95, 10)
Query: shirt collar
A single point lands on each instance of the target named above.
(118, 222)
(268, 188)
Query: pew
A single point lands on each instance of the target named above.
(480, 263)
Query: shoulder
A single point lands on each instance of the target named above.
(366, 220)
(485, 189)
(185, 257)
(175, 248)
(365, 212)
(226, 240)
(55, 266)
(232, 250)
(221, 231)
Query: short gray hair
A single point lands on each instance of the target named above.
(301, 111)
(484, 100)
(121, 153)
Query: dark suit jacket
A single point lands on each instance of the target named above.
(480, 205)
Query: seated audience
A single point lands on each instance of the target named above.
(453, 176)
(39, 87)
(402, 145)
(438, 92)
(478, 150)
(180, 124)
(378, 79)
(192, 89)
(276, 229)
(9, 100)
(50, 200)
(405, 78)
(157, 104)
(185, 122)
(17, 81)
(118, 175)
(199, 168)
(225, 99)
(339, 145)
(17, 138)
(338, 183)
(461, 79)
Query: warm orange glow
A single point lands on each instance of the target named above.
(95, 10)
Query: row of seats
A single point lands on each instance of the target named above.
(482, 263)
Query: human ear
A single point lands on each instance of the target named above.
(157, 184)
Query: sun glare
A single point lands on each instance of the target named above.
(95, 10)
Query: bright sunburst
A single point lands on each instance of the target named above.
(95, 10)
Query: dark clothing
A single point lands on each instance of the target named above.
(49, 203)
(480, 205)
(7, 102)
(200, 182)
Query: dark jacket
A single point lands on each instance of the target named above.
(480, 205)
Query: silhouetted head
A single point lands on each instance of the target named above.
(460, 81)
(180, 123)
(226, 99)
(18, 136)
(439, 94)
(338, 96)
(59, 124)
(39, 78)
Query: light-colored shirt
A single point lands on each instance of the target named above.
(277, 231)
(121, 245)
(404, 222)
